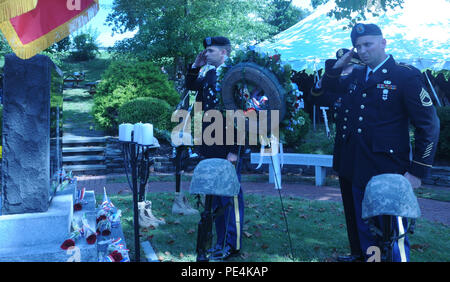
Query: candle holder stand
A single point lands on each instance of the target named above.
(137, 161)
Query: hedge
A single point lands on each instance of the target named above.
(443, 149)
(124, 81)
(147, 110)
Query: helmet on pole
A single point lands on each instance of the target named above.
(215, 177)
(389, 194)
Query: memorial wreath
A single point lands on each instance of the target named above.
(254, 81)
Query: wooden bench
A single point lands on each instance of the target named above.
(75, 78)
(321, 162)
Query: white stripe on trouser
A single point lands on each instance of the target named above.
(238, 223)
(401, 241)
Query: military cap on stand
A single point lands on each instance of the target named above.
(363, 30)
(216, 41)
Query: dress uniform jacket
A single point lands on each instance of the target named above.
(205, 84)
(372, 135)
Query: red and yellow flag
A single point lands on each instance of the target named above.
(11, 8)
(49, 22)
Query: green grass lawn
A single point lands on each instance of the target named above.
(317, 230)
(263, 178)
(93, 69)
(433, 194)
(78, 102)
(422, 192)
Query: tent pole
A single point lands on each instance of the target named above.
(432, 89)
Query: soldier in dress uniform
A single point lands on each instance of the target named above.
(381, 100)
(333, 100)
(202, 77)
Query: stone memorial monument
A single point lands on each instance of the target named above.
(35, 218)
(26, 135)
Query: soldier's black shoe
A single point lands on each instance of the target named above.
(224, 253)
(350, 258)
(214, 249)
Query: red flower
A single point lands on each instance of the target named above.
(100, 218)
(106, 232)
(67, 244)
(77, 207)
(91, 239)
(116, 256)
(276, 58)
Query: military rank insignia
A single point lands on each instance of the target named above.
(425, 98)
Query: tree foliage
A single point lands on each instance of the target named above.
(175, 29)
(170, 32)
(357, 10)
(281, 14)
(85, 47)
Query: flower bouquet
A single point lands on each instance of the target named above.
(79, 200)
(104, 227)
(116, 252)
(107, 216)
(69, 177)
(87, 231)
(73, 236)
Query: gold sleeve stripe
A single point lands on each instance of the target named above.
(422, 164)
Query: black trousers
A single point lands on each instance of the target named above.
(350, 217)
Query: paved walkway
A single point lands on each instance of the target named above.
(432, 210)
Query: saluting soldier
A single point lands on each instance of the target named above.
(381, 100)
(334, 102)
(202, 77)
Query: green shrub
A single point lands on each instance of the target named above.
(124, 81)
(317, 142)
(297, 129)
(443, 149)
(147, 110)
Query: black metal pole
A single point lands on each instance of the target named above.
(204, 236)
(179, 151)
(387, 237)
(134, 176)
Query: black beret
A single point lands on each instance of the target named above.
(216, 41)
(363, 30)
(354, 60)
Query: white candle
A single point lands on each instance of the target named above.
(147, 134)
(125, 132)
(137, 132)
